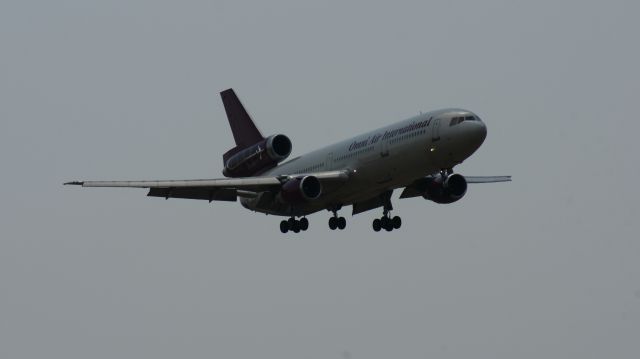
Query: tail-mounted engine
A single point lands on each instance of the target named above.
(257, 158)
(441, 189)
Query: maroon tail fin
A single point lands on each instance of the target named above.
(245, 132)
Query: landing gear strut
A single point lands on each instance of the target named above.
(386, 222)
(294, 225)
(336, 222)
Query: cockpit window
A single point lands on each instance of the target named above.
(457, 120)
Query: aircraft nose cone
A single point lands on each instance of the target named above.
(474, 134)
(481, 131)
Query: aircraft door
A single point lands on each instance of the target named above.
(382, 169)
(435, 130)
(328, 165)
(384, 148)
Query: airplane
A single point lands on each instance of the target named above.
(417, 155)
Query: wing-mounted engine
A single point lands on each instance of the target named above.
(441, 189)
(438, 188)
(256, 158)
(300, 190)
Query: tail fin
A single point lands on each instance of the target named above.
(245, 132)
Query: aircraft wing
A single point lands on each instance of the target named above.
(220, 189)
(487, 179)
(418, 187)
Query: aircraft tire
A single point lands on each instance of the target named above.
(296, 226)
(387, 223)
(342, 223)
(284, 226)
(333, 223)
(397, 222)
(304, 224)
(376, 225)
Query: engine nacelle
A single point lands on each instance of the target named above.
(446, 189)
(258, 157)
(301, 189)
(278, 147)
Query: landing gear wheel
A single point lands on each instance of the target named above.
(336, 222)
(386, 222)
(296, 226)
(397, 222)
(304, 224)
(333, 223)
(284, 226)
(376, 225)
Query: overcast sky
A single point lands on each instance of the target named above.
(547, 266)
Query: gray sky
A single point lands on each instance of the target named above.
(546, 266)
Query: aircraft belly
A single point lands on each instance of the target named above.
(371, 177)
(268, 203)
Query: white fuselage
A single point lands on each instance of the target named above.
(381, 160)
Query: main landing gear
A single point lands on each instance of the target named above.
(294, 225)
(386, 222)
(336, 222)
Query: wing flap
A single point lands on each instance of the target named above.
(209, 194)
